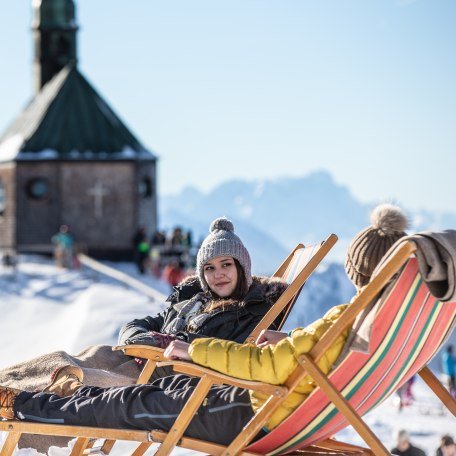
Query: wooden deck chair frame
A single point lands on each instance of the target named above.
(307, 365)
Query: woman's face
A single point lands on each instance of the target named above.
(221, 275)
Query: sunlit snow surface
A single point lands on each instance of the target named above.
(43, 309)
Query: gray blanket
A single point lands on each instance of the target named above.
(436, 253)
(101, 367)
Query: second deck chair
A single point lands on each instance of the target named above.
(295, 270)
(410, 325)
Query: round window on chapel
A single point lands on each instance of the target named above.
(38, 188)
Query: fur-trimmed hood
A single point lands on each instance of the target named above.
(263, 289)
(267, 289)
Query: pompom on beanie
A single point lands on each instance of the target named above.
(370, 245)
(222, 242)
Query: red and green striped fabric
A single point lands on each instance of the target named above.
(300, 259)
(409, 327)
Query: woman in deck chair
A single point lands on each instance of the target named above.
(223, 300)
(227, 409)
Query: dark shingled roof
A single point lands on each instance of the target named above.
(68, 120)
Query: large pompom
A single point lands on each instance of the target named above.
(389, 218)
(222, 223)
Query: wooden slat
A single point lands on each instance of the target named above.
(439, 390)
(142, 351)
(343, 406)
(146, 372)
(184, 418)
(28, 427)
(332, 444)
(10, 444)
(107, 446)
(141, 449)
(81, 444)
(315, 450)
(218, 378)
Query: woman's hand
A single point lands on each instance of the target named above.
(177, 350)
(268, 336)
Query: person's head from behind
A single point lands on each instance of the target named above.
(223, 263)
(402, 440)
(450, 349)
(370, 245)
(448, 446)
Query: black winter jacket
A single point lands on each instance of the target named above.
(234, 322)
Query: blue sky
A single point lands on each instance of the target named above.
(263, 89)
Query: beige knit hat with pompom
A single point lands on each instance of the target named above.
(370, 245)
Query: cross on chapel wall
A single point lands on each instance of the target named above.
(98, 191)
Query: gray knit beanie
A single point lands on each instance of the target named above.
(370, 245)
(222, 242)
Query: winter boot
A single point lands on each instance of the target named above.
(65, 381)
(7, 398)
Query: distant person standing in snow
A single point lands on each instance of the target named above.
(404, 447)
(449, 369)
(141, 249)
(405, 393)
(227, 409)
(63, 241)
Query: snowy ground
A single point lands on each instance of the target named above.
(44, 309)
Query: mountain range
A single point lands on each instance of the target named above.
(272, 216)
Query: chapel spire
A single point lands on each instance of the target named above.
(54, 30)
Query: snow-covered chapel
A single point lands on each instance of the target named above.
(68, 158)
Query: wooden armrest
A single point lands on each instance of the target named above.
(142, 351)
(195, 370)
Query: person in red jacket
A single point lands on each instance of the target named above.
(174, 273)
